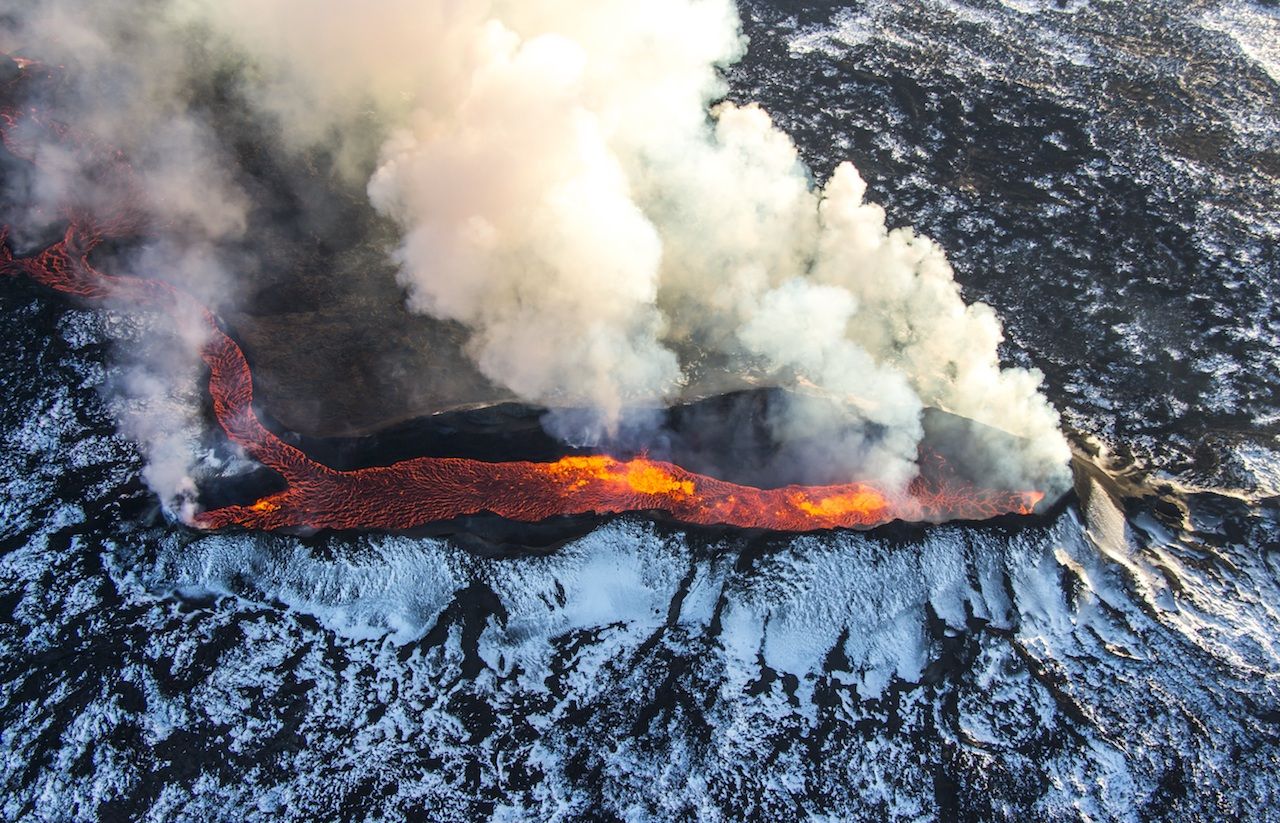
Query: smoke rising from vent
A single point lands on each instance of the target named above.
(129, 86)
(569, 187)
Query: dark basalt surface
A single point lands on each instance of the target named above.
(1105, 176)
(729, 436)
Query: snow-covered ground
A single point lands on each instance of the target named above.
(1102, 665)
(1102, 173)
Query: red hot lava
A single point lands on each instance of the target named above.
(427, 489)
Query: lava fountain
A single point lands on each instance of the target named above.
(423, 490)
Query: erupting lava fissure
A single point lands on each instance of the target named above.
(423, 490)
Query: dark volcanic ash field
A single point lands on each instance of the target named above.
(1103, 174)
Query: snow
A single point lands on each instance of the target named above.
(1254, 27)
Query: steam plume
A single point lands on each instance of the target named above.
(569, 187)
(130, 85)
(569, 190)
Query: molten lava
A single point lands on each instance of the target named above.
(422, 490)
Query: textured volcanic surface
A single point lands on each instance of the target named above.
(1103, 173)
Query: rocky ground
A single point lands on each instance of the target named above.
(1103, 174)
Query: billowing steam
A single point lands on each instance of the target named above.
(569, 188)
(130, 87)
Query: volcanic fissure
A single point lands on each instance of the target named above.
(422, 490)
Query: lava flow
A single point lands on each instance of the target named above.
(423, 490)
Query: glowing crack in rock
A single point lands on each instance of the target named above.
(422, 490)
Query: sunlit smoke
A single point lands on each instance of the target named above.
(570, 186)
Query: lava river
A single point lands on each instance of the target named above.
(418, 491)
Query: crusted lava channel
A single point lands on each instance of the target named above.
(423, 490)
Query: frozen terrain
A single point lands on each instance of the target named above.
(1104, 174)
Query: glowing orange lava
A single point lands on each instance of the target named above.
(422, 490)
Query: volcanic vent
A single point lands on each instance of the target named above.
(684, 471)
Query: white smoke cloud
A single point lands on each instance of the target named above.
(515, 214)
(150, 409)
(127, 87)
(569, 187)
